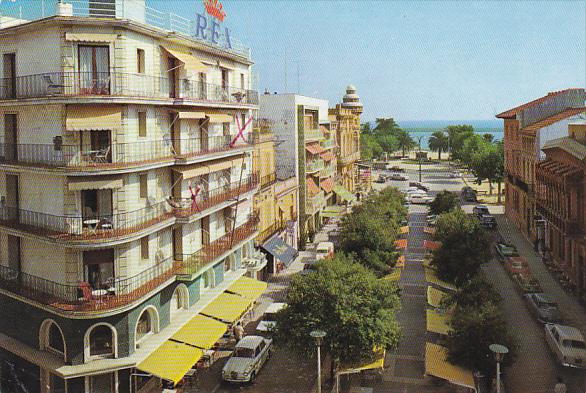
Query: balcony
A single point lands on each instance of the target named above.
(84, 228)
(569, 227)
(349, 158)
(314, 166)
(268, 180)
(328, 143)
(192, 148)
(76, 298)
(313, 135)
(315, 202)
(120, 84)
(266, 233)
(187, 207)
(328, 171)
(198, 261)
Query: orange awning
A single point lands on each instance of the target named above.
(312, 188)
(327, 155)
(431, 245)
(400, 261)
(314, 148)
(401, 244)
(327, 185)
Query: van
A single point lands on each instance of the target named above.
(324, 250)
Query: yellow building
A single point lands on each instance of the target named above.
(275, 204)
(345, 117)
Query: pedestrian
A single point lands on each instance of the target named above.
(560, 387)
(238, 331)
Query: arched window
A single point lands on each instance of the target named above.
(208, 279)
(51, 338)
(148, 323)
(101, 342)
(179, 300)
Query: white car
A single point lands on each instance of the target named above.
(249, 355)
(419, 199)
(567, 343)
(268, 323)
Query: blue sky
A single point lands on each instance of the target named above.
(411, 60)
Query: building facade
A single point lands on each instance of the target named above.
(306, 151)
(125, 199)
(346, 116)
(526, 130)
(561, 190)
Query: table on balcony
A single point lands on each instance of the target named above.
(92, 224)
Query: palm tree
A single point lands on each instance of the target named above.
(438, 141)
(405, 142)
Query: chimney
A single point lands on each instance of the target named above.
(577, 131)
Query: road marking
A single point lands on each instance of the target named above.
(215, 389)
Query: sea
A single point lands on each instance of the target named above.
(424, 128)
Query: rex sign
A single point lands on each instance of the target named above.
(208, 26)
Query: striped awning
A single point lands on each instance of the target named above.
(219, 117)
(312, 188)
(431, 245)
(435, 297)
(94, 183)
(314, 148)
(171, 360)
(191, 115)
(437, 322)
(432, 278)
(327, 155)
(401, 244)
(92, 117)
(191, 171)
(189, 62)
(437, 365)
(327, 184)
(90, 37)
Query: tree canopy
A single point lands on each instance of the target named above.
(345, 300)
(488, 164)
(438, 141)
(444, 202)
(405, 142)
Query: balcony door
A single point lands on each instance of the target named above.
(99, 268)
(94, 70)
(9, 67)
(12, 197)
(172, 75)
(96, 204)
(14, 252)
(10, 137)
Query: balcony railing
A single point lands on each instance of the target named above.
(349, 158)
(68, 297)
(186, 207)
(194, 147)
(328, 171)
(315, 202)
(84, 228)
(314, 135)
(120, 84)
(194, 263)
(328, 143)
(314, 166)
(266, 233)
(268, 180)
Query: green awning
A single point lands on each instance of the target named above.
(343, 193)
(333, 211)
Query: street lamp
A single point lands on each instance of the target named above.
(419, 138)
(318, 335)
(499, 353)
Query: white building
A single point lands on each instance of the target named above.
(125, 195)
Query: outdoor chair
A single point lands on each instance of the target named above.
(53, 85)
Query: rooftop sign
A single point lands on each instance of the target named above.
(209, 29)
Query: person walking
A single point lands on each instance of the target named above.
(560, 387)
(238, 331)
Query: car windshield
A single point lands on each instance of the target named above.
(269, 317)
(244, 353)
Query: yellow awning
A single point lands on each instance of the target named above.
(248, 288)
(394, 276)
(219, 118)
(90, 37)
(432, 278)
(404, 230)
(434, 296)
(377, 362)
(189, 62)
(191, 171)
(93, 117)
(227, 307)
(171, 361)
(191, 115)
(200, 331)
(437, 322)
(94, 183)
(436, 364)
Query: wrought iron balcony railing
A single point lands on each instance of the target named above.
(315, 202)
(268, 180)
(196, 262)
(328, 143)
(314, 165)
(122, 84)
(272, 229)
(81, 297)
(314, 135)
(206, 199)
(84, 228)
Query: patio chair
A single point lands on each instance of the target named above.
(51, 84)
(102, 156)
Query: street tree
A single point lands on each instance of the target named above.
(386, 125)
(457, 135)
(488, 164)
(342, 298)
(438, 141)
(465, 246)
(443, 202)
(473, 145)
(405, 142)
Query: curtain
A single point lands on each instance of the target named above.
(85, 67)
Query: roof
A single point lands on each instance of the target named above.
(569, 145)
(511, 113)
(250, 342)
(554, 119)
(569, 332)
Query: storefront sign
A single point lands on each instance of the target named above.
(208, 26)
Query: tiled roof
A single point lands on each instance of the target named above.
(312, 188)
(512, 112)
(570, 145)
(327, 185)
(314, 148)
(554, 119)
(327, 155)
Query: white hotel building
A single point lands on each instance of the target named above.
(126, 223)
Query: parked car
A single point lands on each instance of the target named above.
(506, 251)
(479, 210)
(324, 250)
(419, 199)
(468, 194)
(396, 168)
(380, 179)
(419, 185)
(487, 221)
(249, 355)
(398, 176)
(455, 175)
(267, 323)
(544, 308)
(412, 190)
(567, 343)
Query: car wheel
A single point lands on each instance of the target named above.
(253, 377)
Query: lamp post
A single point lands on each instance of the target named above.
(419, 154)
(499, 353)
(318, 335)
